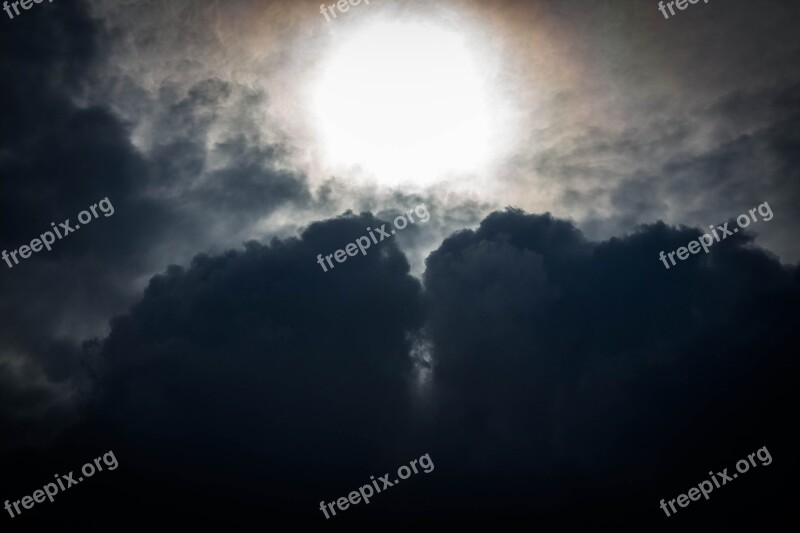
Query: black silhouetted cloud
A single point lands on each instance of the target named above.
(590, 371)
(570, 378)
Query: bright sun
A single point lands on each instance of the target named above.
(405, 102)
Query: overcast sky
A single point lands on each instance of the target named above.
(527, 335)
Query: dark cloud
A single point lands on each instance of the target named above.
(573, 381)
(61, 154)
(589, 381)
(261, 358)
(47, 174)
(236, 175)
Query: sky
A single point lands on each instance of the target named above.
(522, 328)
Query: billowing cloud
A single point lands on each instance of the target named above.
(577, 377)
(567, 375)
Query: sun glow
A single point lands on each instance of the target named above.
(405, 102)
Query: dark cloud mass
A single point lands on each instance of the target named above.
(592, 361)
(257, 373)
(58, 157)
(559, 378)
